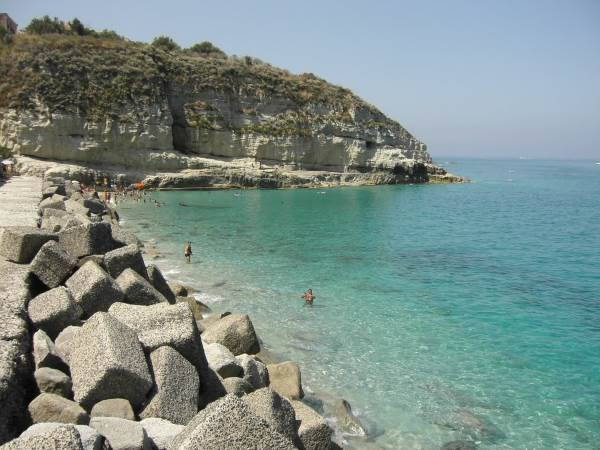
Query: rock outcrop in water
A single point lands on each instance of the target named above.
(125, 107)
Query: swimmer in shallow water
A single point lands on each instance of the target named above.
(309, 297)
(188, 252)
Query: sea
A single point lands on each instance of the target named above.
(443, 312)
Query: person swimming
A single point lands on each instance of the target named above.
(309, 297)
(188, 252)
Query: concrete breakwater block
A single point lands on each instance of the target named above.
(93, 289)
(54, 408)
(63, 437)
(53, 381)
(255, 372)
(313, 430)
(90, 438)
(222, 361)
(45, 354)
(52, 264)
(128, 257)
(160, 284)
(121, 434)
(176, 387)
(138, 290)
(54, 310)
(113, 407)
(230, 423)
(286, 379)
(20, 244)
(237, 386)
(235, 332)
(161, 432)
(107, 361)
(276, 410)
(88, 239)
(54, 202)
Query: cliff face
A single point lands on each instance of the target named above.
(119, 103)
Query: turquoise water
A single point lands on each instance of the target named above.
(443, 312)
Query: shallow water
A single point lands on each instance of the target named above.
(443, 312)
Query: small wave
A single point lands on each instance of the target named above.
(207, 298)
(173, 271)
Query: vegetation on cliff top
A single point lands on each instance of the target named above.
(72, 68)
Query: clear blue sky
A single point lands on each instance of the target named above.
(485, 78)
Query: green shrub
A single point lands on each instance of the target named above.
(165, 43)
(46, 25)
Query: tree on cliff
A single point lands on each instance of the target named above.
(165, 43)
(208, 50)
(45, 25)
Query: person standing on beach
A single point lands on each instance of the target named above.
(309, 297)
(188, 252)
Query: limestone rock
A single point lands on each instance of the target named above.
(237, 386)
(62, 343)
(45, 354)
(138, 290)
(229, 423)
(222, 361)
(160, 432)
(53, 381)
(159, 283)
(20, 244)
(177, 386)
(276, 410)
(116, 261)
(107, 361)
(235, 332)
(54, 408)
(90, 438)
(93, 289)
(63, 437)
(255, 372)
(121, 434)
(314, 432)
(54, 310)
(346, 419)
(285, 379)
(113, 407)
(89, 239)
(52, 265)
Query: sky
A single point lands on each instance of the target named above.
(481, 78)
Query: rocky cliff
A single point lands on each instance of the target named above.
(136, 108)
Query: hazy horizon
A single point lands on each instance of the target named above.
(470, 79)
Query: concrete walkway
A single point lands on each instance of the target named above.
(19, 198)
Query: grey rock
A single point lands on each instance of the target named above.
(313, 431)
(276, 410)
(177, 386)
(160, 432)
(158, 281)
(285, 378)
(53, 381)
(90, 438)
(63, 437)
(237, 386)
(346, 419)
(62, 343)
(255, 372)
(121, 434)
(195, 306)
(222, 361)
(93, 289)
(76, 207)
(229, 423)
(54, 408)
(45, 354)
(95, 206)
(107, 361)
(52, 265)
(77, 196)
(123, 237)
(113, 407)
(20, 244)
(235, 332)
(205, 323)
(54, 202)
(129, 257)
(138, 290)
(54, 310)
(98, 259)
(459, 445)
(88, 239)
(179, 289)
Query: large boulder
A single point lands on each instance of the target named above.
(128, 257)
(89, 239)
(160, 432)
(94, 205)
(237, 386)
(45, 354)
(195, 306)
(222, 361)
(52, 265)
(54, 202)
(160, 284)
(235, 332)
(90, 438)
(123, 237)
(179, 289)
(54, 310)
(62, 343)
(107, 361)
(276, 410)
(346, 419)
(113, 407)
(63, 437)
(54, 408)
(53, 381)
(285, 379)
(93, 289)
(121, 434)
(21, 244)
(176, 387)
(76, 207)
(229, 423)
(255, 372)
(138, 290)
(313, 431)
